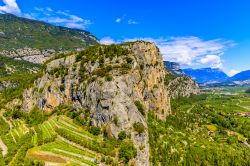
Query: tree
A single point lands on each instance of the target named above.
(139, 127)
(127, 151)
(122, 135)
(95, 130)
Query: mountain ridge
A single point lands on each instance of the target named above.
(18, 32)
(37, 41)
(205, 75)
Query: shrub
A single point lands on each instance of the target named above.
(232, 140)
(139, 127)
(16, 113)
(122, 135)
(115, 120)
(140, 107)
(109, 78)
(129, 60)
(62, 87)
(95, 130)
(127, 151)
(35, 117)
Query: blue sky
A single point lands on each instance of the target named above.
(195, 33)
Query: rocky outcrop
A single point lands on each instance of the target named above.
(182, 87)
(30, 54)
(108, 89)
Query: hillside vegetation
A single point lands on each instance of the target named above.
(15, 76)
(10, 67)
(17, 32)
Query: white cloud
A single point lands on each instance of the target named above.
(132, 22)
(189, 51)
(233, 72)
(10, 6)
(107, 41)
(213, 61)
(118, 20)
(192, 51)
(60, 18)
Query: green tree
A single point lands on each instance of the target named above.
(122, 135)
(127, 151)
(139, 127)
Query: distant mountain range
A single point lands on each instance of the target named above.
(205, 75)
(242, 76)
(211, 76)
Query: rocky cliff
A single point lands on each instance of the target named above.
(182, 87)
(116, 85)
(30, 54)
(107, 81)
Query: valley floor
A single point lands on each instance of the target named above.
(203, 130)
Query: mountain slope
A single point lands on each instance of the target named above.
(10, 66)
(116, 86)
(108, 90)
(15, 73)
(242, 76)
(17, 32)
(205, 75)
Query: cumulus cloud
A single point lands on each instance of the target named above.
(213, 61)
(190, 51)
(10, 6)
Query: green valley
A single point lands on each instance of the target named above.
(210, 129)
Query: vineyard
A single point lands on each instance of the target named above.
(57, 140)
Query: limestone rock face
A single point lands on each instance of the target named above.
(30, 54)
(182, 87)
(109, 98)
